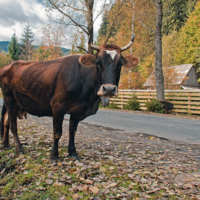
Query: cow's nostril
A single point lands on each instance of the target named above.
(114, 89)
(104, 89)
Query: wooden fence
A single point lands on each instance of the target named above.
(185, 101)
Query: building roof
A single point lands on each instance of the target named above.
(181, 71)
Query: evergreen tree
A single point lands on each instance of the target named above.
(26, 44)
(176, 13)
(104, 26)
(14, 48)
(187, 49)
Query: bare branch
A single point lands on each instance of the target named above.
(100, 12)
(76, 23)
(75, 9)
(132, 3)
(146, 26)
(82, 49)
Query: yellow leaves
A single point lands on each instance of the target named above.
(152, 137)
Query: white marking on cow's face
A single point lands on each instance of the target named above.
(112, 53)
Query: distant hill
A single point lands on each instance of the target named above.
(4, 47)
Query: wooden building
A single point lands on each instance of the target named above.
(176, 77)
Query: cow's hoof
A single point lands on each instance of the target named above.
(21, 152)
(54, 159)
(74, 156)
(5, 147)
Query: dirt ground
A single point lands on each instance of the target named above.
(131, 166)
(114, 164)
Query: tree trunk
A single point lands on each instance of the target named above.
(132, 33)
(158, 56)
(90, 5)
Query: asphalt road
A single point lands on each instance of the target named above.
(168, 127)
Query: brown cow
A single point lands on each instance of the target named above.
(68, 85)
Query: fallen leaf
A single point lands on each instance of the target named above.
(58, 184)
(88, 181)
(111, 168)
(131, 176)
(74, 196)
(93, 189)
(111, 185)
(59, 164)
(37, 183)
(102, 169)
(40, 188)
(49, 182)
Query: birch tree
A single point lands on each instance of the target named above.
(80, 14)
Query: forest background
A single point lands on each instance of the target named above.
(180, 37)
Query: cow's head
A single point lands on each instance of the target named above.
(109, 61)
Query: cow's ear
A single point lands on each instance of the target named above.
(87, 60)
(130, 61)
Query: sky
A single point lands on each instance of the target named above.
(16, 14)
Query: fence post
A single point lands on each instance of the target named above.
(149, 95)
(189, 102)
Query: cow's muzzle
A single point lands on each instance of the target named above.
(108, 90)
(105, 101)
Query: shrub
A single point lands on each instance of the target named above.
(154, 106)
(111, 105)
(132, 104)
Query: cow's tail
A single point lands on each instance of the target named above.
(3, 112)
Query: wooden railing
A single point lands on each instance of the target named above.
(185, 101)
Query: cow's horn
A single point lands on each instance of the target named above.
(129, 44)
(92, 46)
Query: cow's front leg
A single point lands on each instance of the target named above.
(72, 132)
(58, 116)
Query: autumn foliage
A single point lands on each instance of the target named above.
(50, 48)
(181, 39)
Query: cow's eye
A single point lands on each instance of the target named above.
(98, 63)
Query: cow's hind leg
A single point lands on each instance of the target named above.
(3, 112)
(58, 116)
(72, 132)
(6, 144)
(12, 109)
(4, 128)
